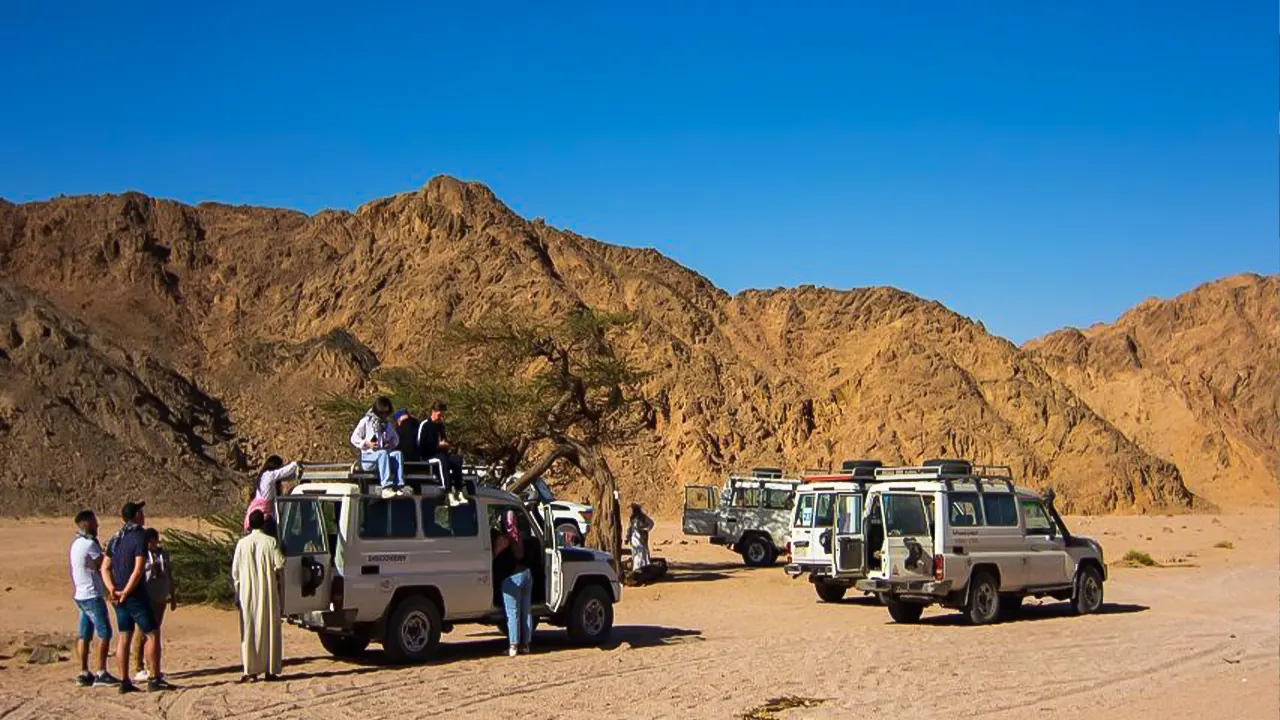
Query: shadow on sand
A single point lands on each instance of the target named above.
(475, 645)
(1030, 613)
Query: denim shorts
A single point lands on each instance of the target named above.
(93, 616)
(135, 611)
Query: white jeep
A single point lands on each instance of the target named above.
(830, 506)
(751, 515)
(964, 537)
(563, 512)
(401, 571)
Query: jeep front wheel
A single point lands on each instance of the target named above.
(1087, 597)
(758, 552)
(904, 612)
(830, 592)
(591, 616)
(344, 646)
(983, 605)
(413, 631)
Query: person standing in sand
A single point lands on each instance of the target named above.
(86, 562)
(641, 524)
(253, 572)
(158, 574)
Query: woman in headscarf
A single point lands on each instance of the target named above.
(266, 488)
(512, 574)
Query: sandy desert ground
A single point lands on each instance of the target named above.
(1199, 638)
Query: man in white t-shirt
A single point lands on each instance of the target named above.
(86, 563)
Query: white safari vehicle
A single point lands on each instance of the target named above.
(825, 504)
(751, 515)
(403, 570)
(563, 512)
(964, 537)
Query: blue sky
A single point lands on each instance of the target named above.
(1031, 165)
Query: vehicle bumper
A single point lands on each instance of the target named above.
(333, 620)
(915, 588)
(813, 570)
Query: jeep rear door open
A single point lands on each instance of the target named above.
(908, 541)
(304, 539)
(701, 504)
(848, 551)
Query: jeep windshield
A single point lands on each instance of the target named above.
(904, 515)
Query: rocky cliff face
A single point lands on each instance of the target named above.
(1193, 380)
(262, 312)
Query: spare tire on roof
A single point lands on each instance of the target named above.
(860, 468)
(951, 467)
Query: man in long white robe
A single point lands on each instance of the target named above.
(257, 560)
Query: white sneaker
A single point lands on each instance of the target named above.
(388, 493)
(142, 676)
(511, 651)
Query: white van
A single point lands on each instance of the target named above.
(826, 505)
(751, 515)
(965, 537)
(401, 571)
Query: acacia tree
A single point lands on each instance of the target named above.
(533, 396)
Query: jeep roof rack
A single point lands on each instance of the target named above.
(355, 474)
(950, 472)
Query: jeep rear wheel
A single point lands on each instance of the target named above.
(983, 605)
(591, 616)
(904, 612)
(1087, 597)
(344, 646)
(413, 631)
(830, 592)
(758, 552)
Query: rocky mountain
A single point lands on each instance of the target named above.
(243, 317)
(1193, 380)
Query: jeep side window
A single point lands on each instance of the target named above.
(1000, 509)
(746, 497)
(965, 510)
(804, 512)
(777, 499)
(441, 520)
(394, 518)
(1036, 519)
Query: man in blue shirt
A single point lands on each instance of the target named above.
(122, 573)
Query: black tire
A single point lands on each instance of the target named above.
(344, 646)
(1087, 596)
(982, 607)
(830, 592)
(1010, 605)
(413, 631)
(904, 612)
(590, 616)
(757, 551)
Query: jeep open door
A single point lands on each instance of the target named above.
(847, 556)
(907, 548)
(304, 539)
(556, 591)
(701, 506)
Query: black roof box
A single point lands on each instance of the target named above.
(860, 468)
(951, 467)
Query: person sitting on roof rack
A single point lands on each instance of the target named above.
(376, 439)
(433, 444)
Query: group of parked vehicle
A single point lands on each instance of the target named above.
(947, 532)
(401, 570)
